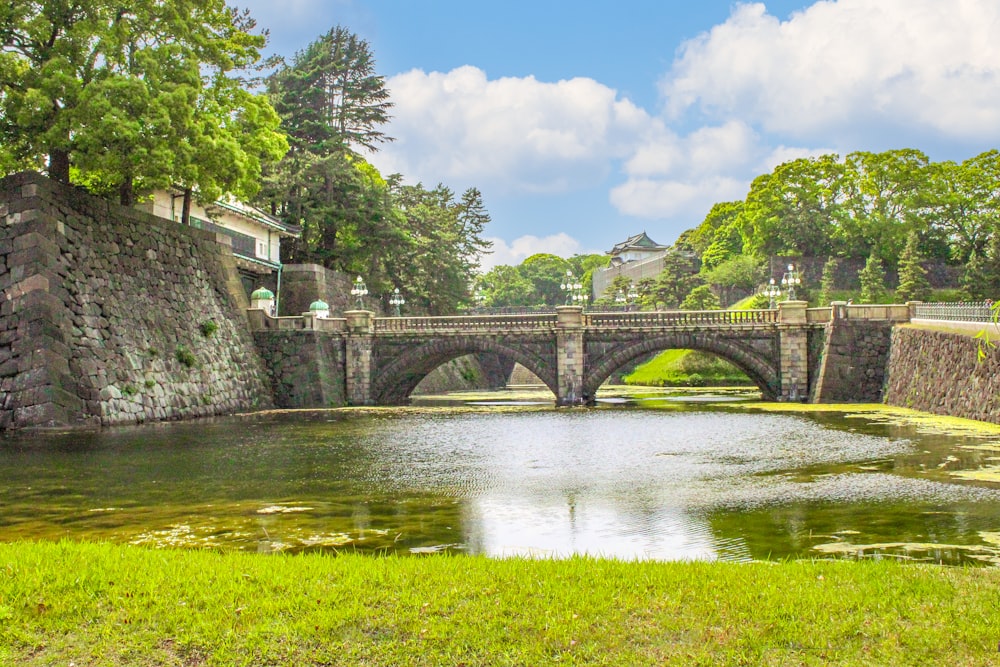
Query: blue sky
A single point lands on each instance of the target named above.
(583, 123)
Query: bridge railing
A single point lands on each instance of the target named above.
(673, 318)
(980, 311)
(471, 323)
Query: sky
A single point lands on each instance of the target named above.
(584, 123)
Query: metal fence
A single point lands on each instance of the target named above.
(979, 311)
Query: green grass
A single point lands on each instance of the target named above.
(689, 368)
(86, 604)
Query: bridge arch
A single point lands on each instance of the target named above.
(395, 381)
(762, 371)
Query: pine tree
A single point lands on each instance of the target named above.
(828, 281)
(991, 268)
(872, 279)
(913, 285)
(974, 278)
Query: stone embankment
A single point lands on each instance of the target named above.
(113, 316)
(942, 373)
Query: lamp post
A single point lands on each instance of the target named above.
(396, 300)
(772, 292)
(359, 292)
(620, 298)
(480, 299)
(571, 287)
(631, 297)
(790, 280)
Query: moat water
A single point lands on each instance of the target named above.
(670, 478)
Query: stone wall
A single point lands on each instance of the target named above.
(111, 316)
(852, 365)
(301, 284)
(939, 273)
(473, 372)
(306, 368)
(941, 373)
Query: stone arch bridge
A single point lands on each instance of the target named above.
(791, 352)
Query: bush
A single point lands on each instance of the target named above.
(185, 357)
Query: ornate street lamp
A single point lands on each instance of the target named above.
(790, 280)
(631, 297)
(571, 287)
(480, 299)
(620, 298)
(772, 292)
(359, 292)
(396, 300)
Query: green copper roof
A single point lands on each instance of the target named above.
(261, 293)
(318, 305)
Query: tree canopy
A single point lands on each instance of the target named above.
(133, 96)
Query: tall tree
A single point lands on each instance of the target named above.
(330, 97)
(827, 282)
(913, 284)
(872, 279)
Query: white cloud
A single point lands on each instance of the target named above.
(520, 135)
(689, 200)
(841, 66)
(562, 245)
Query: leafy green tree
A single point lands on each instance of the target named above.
(962, 203)
(738, 275)
(872, 279)
(726, 244)
(913, 284)
(504, 286)
(701, 298)
(698, 240)
(134, 94)
(883, 201)
(795, 209)
(546, 273)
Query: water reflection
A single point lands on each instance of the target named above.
(685, 481)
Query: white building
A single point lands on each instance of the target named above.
(255, 235)
(637, 257)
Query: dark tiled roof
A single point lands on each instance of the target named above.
(638, 241)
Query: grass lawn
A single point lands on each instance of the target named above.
(98, 604)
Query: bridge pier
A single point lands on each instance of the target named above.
(569, 356)
(360, 342)
(793, 337)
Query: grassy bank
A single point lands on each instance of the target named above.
(88, 604)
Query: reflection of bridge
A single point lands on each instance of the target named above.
(368, 360)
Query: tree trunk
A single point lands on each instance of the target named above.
(126, 193)
(186, 207)
(59, 165)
